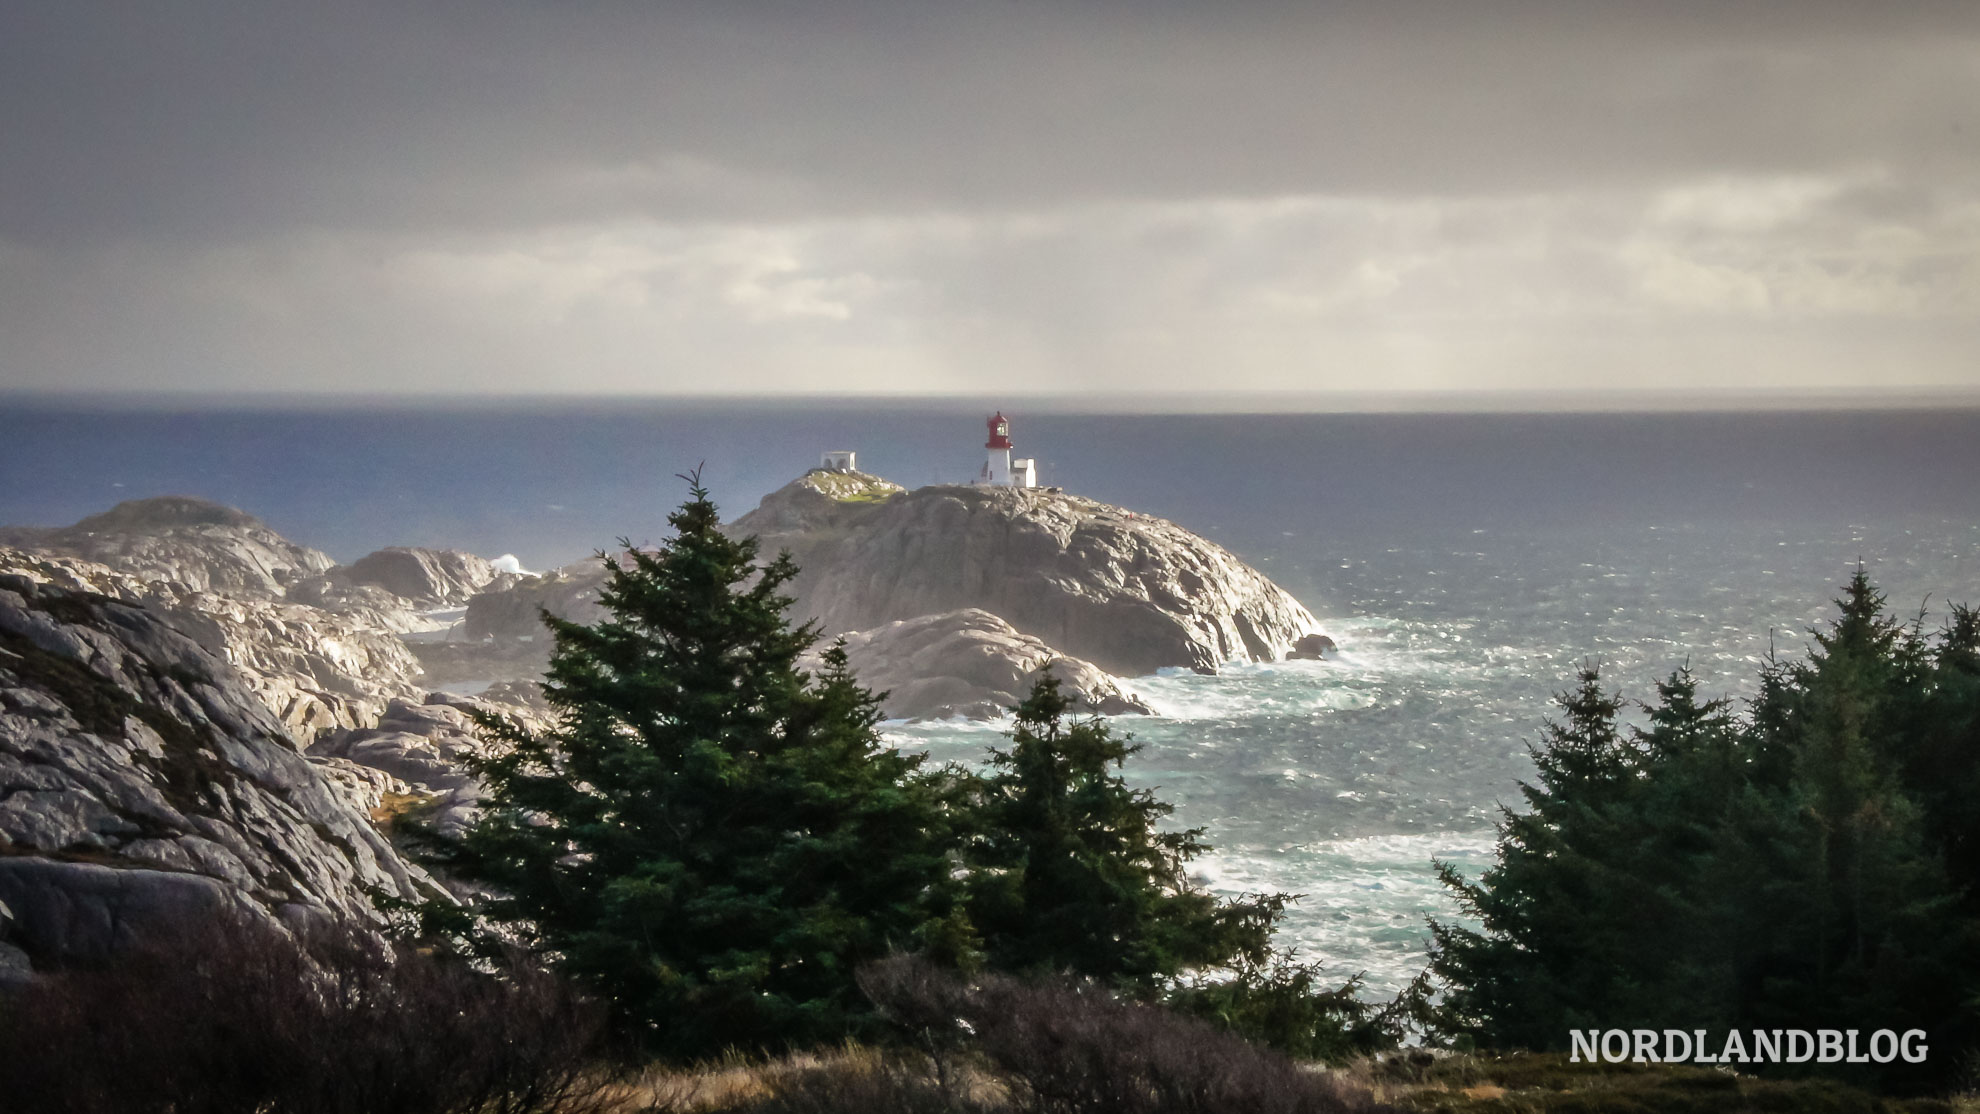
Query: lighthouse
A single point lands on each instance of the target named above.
(1000, 470)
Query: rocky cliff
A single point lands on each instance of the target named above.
(319, 642)
(1117, 594)
(143, 781)
(422, 577)
(1126, 591)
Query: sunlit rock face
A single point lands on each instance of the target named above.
(199, 545)
(972, 664)
(1128, 592)
(315, 669)
(955, 596)
(317, 641)
(1110, 592)
(418, 752)
(143, 781)
(422, 577)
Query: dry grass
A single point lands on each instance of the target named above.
(1526, 1083)
(392, 806)
(1406, 1082)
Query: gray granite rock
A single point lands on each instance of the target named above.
(204, 546)
(1128, 592)
(424, 747)
(970, 663)
(317, 670)
(431, 577)
(127, 743)
(1313, 647)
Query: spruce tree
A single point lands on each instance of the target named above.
(1808, 865)
(1072, 874)
(1860, 926)
(708, 837)
(1554, 909)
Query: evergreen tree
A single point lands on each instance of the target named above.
(1784, 869)
(1859, 924)
(1072, 874)
(708, 837)
(1554, 913)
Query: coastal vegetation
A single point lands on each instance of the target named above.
(703, 882)
(714, 841)
(1806, 862)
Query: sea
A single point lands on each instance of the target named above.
(1467, 564)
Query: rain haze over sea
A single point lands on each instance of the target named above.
(1466, 564)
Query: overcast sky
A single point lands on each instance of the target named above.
(1034, 195)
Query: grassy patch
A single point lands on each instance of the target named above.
(851, 487)
(393, 807)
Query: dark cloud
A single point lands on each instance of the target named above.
(669, 195)
(144, 118)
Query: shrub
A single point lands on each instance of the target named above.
(1286, 1006)
(1075, 1049)
(241, 1017)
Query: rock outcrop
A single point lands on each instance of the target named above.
(515, 614)
(143, 781)
(199, 545)
(1313, 647)
(1116, 592)
(421, 748)
(317, 641)
(972, 664)
(1125, 591)
(431, 578)
(317, 670)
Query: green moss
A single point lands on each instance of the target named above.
(851, 487)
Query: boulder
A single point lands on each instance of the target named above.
(1312, 647)
(972, 664)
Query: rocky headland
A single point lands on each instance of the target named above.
(197, 714)
(1106, 593)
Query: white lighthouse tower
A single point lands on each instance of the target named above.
(1000, 470)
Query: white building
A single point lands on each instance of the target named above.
(839, 460)
(1000, 470)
